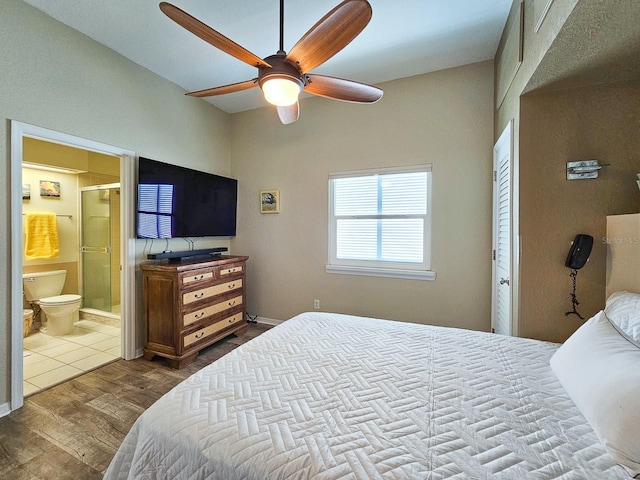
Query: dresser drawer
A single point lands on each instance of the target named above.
(193, 317)
(195, 276)
(210, 330)
(234, 269)
(212, 291)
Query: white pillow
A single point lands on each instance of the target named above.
(623, 310)
(600, 370)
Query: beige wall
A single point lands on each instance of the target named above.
(57, 78)
(534, 47)
(443, 118)
(584, 123)
(579, 43)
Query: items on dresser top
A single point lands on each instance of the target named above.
(190, 305)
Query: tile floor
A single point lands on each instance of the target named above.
(50, 360)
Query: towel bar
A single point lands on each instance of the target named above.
(59, 215)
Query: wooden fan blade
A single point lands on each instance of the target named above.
(289, 114)
(341, 89)
(331, 34)
(209, 35)
(234, 87)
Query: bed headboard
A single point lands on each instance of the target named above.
(623, 253)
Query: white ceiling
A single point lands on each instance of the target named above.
(404, 37)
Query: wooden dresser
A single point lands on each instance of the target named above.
(190, 305)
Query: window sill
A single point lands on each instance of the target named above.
(382, 272)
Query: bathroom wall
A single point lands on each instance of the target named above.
(66, 204)
(95, 169)
(54, 154)
(98, 169)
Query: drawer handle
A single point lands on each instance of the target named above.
(199, 335)
(231, 304)
(198, 295)
(231, 320)
(198, 277)
(233, 285)
(199, 315)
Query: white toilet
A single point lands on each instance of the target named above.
(43, 289)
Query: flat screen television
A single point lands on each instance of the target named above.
(176, 202)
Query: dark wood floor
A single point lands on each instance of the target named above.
(72, 431)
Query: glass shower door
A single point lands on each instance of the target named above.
(96, 248)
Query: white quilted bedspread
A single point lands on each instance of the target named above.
(327, 396)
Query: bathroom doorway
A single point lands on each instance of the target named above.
(20, 132)
(86, 205)
(100, 250)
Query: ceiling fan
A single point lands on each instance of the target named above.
(282, 76)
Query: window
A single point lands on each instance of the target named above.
(380, 222)
(155, 211)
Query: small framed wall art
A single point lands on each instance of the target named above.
(270, 201)
(49, 189)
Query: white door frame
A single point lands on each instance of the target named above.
(19, 131)
(506, 141)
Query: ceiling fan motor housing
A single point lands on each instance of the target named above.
(281, 69)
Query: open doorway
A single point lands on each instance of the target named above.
(77, 327)
(123, 263)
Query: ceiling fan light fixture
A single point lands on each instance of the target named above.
(284, 75)
(281, 91)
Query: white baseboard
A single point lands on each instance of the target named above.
(4, 409)
(269, 321)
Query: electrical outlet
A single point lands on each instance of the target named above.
(316, 304)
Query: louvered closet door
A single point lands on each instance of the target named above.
(501, 321)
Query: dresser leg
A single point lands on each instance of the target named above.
(148, 355)
(182, 362)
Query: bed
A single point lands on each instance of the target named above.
(329, 396)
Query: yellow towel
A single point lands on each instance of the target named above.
(41, 236)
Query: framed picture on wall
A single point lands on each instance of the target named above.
(49, 188)
(26, 191)
(270, 201)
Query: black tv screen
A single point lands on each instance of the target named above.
(176, 201)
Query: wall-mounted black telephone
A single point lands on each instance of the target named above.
(579, 251)
(576, 258)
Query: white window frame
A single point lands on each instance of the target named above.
(417, 271)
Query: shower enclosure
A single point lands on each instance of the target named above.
(100, 247)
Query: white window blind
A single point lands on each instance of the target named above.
(155, 210)
(380, 219)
